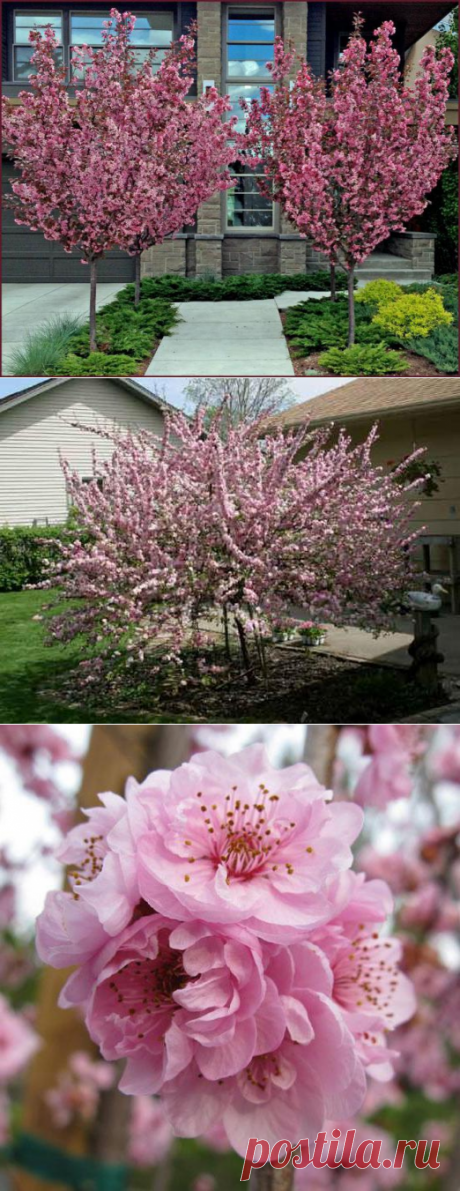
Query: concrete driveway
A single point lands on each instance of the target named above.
(25, 307)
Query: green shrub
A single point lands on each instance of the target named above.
(318, 323)
(412, 316)
(43, 348)
(127, 330)
(378, 292)
(23, 552)
(133, 343)
(362, 361)
(441, 348)
(239, 289)
(96, 364)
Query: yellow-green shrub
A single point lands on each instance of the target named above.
(412, 315)
(378, 293)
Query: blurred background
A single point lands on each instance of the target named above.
(62, 1121)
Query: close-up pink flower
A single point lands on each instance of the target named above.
(234, 839)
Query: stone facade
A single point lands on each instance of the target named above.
(417, 247)
(169, 257)
(250, 254)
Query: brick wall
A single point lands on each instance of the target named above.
(208, 243)
(294, 24)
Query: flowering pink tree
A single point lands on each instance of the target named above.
(351, 166)
(69, 188)
(172, 152)
(170, 532)
(127, 162)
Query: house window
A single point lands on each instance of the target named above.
(246, 206)
(98, 480)
(25, 21)
(152, 31)
(249, 44)
(342, 42)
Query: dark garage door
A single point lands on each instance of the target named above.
(27, 256)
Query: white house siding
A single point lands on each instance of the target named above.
(32, 433)
(439, 433)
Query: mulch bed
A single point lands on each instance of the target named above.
(311, 687)
(417, 365)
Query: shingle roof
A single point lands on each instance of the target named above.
(372, 396)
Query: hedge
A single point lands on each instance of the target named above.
(23, 552)
(243, 287)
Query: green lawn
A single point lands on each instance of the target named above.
(27, 666)
(26, 663)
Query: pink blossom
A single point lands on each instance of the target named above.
(388, 775)
(68, 931)
(7, 904)
(35, 750)
(204, 1182)
(373, 993)
(102, 853)
(78, 1088)
(235, 839)
(216, 1138)
(445, 759)
(150, 1134)
(227, 1027)
(18, 1042)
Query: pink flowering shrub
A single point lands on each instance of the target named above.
(226, 951)
(195, 527)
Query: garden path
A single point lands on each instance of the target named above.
(224, 339)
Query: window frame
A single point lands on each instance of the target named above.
(73, 81)
(15, 45)
(257, 230)
(66, 43)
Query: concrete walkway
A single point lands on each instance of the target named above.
(390, 649)
(224, 339)
(25, 307)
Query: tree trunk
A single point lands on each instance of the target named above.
(115, 752)
(320, 750)
(137, 279)
(351, 306)
(332, 283)
(244, 651)
(92, 306)
(226, 634)
(267, 1179)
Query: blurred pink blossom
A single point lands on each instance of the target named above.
(150, 1134)
(18, 1042)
